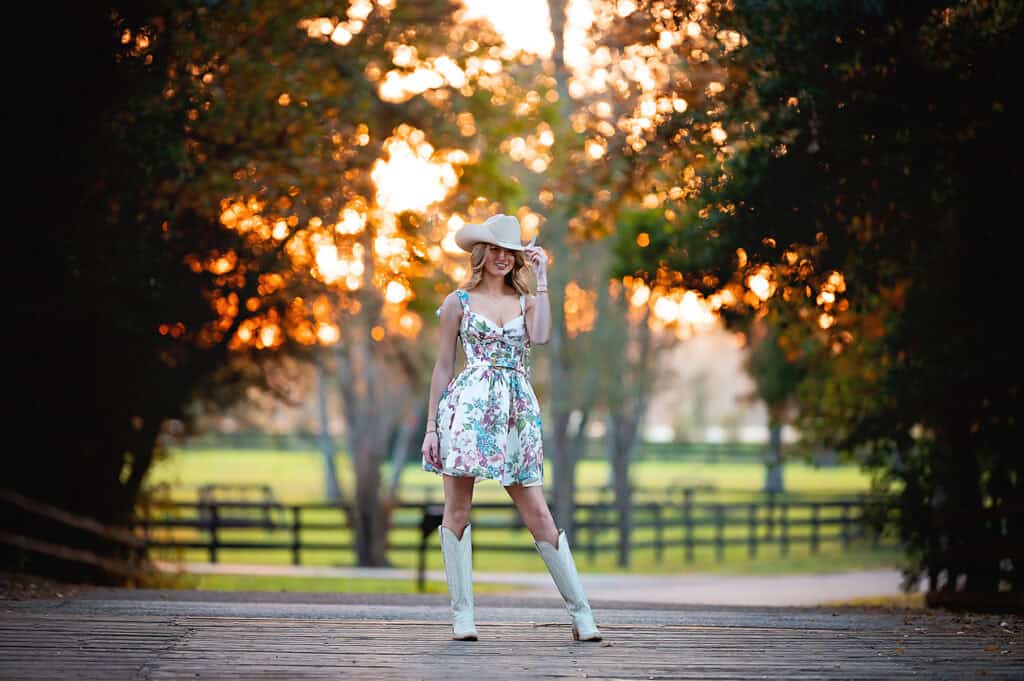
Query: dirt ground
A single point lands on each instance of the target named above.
(20, 587)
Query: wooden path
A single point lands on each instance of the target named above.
(166, 635)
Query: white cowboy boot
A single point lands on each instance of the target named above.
(458, 568)
(563, 571)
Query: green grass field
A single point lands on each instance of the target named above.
(296, 476)
(296, 479)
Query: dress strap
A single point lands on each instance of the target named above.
(463, 299)
(522, 303)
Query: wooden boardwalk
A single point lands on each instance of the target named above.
(106, 636)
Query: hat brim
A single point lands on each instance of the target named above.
(471, 234)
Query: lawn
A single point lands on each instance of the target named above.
(296, 477)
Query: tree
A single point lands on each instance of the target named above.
(860, 198)
(101, 358)
(777, 378)
(324, 160)
(247, 155)
(610, 104)
(332, 490)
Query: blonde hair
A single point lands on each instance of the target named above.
(516, 278)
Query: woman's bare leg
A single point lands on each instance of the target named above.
(558, 559)
(458, 500)
(533, 509)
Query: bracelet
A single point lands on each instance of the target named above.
(542, 290)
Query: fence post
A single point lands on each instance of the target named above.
(591, 529)
(268, 500)
(214, 520)
(815, 520)
(752, 534)
(137, 553)
(659, 541)
(296, 535)
(784, 529)
(876, 535)
(144, 525)
(688, 527)
(719, 532)
(432, 517)
(844, 525)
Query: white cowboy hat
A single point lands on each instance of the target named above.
(500, 230)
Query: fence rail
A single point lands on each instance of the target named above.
(131, 563)
(659, 527)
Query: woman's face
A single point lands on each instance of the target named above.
(499, 261)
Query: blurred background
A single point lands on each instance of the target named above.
(781, 236)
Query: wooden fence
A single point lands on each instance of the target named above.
(26, 513)
(683, 527)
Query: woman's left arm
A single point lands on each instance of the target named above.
(538, 309)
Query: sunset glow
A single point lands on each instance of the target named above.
(620, 90)
(673, 309)
(761, 284)
(580, 309)
(524, 25)
(411, 178)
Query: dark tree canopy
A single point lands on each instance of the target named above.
(871, 148)
(99, 363)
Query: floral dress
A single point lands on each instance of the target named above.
(488, 417)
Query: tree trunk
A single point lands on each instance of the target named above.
(963, 480)
(630, 443)
(367, 421)
(332, 490)
(628, 397)
(564, 469)
(773, 483)
(557, 229)
(370, 519)
(619, 455)
(627, 389)
(412, 425)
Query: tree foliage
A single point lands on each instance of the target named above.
(100, 365)
(863, 200)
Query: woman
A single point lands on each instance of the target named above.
(485, 424)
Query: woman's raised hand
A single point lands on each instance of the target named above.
(538, 261)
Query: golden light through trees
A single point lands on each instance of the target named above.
(534, 150)
(621, 91)
(602, 78)
(673, 308)
(580, 309)
(761, 284)
(342, 32)
(525, 25)
(412, 178)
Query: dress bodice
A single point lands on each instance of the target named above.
(488, 418)
(488, 344)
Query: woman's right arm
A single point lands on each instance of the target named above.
(444, 369)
